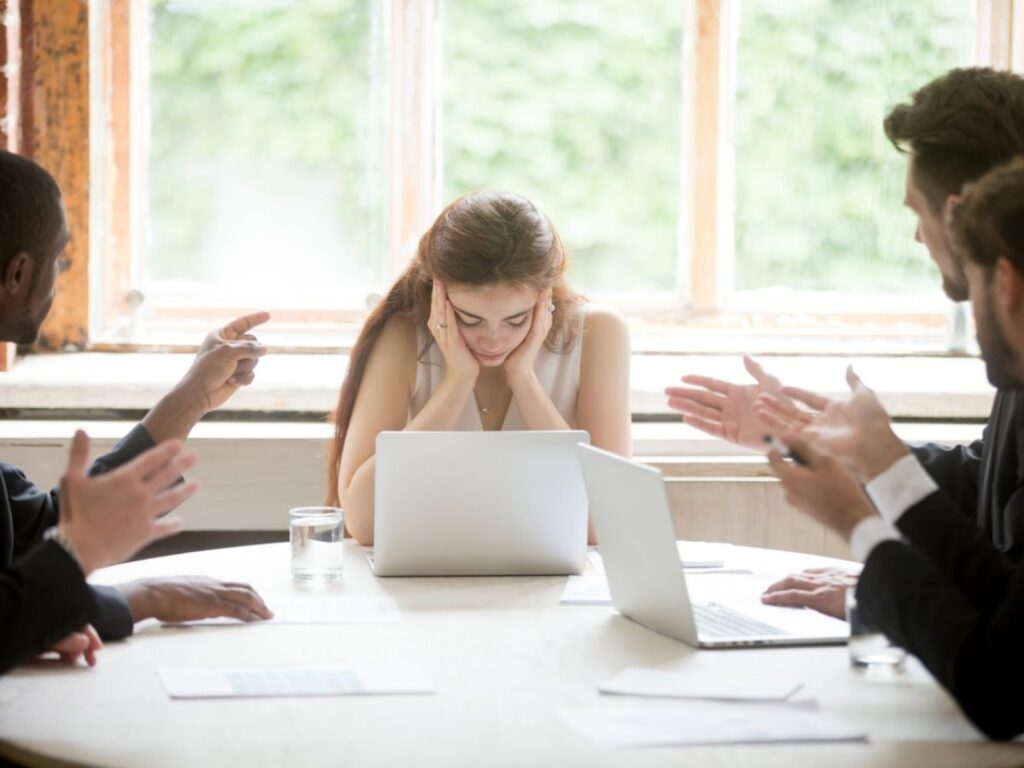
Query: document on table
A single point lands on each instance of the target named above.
(689, 723)
(593, 590)
(315, 608)
(333, 680)
(698, 684)
(586, 590)
(694, 555)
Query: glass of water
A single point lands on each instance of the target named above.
(869, 648)
(316, 534)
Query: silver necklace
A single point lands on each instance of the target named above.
(483, 408)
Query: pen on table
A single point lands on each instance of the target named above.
(773, 442)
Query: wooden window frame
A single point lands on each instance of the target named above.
(46, 89)
(413, 67)
(79, 118)
(710, 68)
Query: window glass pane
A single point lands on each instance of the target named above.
(266, 179)
(818, 188)
(574, 104)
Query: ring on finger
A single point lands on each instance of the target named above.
(442, 325)
(551, 307)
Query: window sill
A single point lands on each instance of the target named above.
(251, 473)
(672, 332)
(305, 387)
(679, 450)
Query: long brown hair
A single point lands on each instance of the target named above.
(480, 239)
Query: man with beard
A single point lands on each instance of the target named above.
(50, 541)
(954, 129)
(947, 594)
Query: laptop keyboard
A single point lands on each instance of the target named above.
(718, 621)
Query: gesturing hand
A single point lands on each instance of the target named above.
(856, 431)
(109, 517)
(726, 410)
(459, 360)
(191, 598)
(226, 360)
(822, 487)
(521, 362)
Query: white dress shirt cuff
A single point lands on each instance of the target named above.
(900, 487)
(867, 534)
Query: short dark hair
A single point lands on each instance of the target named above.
(958, 127)
(988, 223)
(30, 212)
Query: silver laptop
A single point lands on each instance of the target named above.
(637, 539)
(479, 504)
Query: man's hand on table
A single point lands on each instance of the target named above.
(823, 589)
(191, 598)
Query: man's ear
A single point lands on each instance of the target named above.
(952, 201)
(1008, 290)
(17, 275)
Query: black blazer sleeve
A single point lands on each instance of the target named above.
(34, 510)
(953, 600)
(131, 445)
(958, 549)
(43, 598)
(985, 480)
(956, 470)
(111, 617)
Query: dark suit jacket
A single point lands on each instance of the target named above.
(985, 480)
(952, 599)
(43, 594)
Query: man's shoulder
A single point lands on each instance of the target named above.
(1008, 398)
(9, 470)
(1007, 409)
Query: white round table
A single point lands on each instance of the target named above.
(503, 654)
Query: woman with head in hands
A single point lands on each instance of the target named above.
(480, 332)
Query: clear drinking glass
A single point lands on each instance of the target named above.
(316, 534)
(869, 648)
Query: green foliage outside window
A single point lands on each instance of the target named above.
(573, 103)
(267, 88)
(819, 189)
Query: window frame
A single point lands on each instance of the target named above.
(94, 305)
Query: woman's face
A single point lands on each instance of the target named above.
(493, 319)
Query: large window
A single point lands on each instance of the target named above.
(699, 157)
(266, 172)
(574, 104)
(817, 185)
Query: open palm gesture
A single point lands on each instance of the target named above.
(856, 431)
(726, 410)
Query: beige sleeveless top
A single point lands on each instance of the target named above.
(559, 374)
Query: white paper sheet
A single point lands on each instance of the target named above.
(693, 555)
(586, 590)
(327, 608)
(698, 684)
(334, 680)
(593, 590)
(688, 723)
